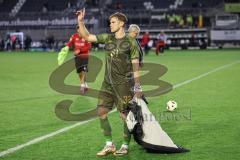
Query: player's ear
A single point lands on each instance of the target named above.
(121, 23)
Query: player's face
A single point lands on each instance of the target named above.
(115, 24)
(133, 34)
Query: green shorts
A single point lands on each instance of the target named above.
(115, 94)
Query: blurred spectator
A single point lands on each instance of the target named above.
(181, 22)
(200, 5)
(171, 20)
(150, 44)
(8, 43)
(197, 4)
(189, 20)
(93, 3)
(192, 40)
(177, 20)
(50, 42)
(14, 41)
(27, 43)
(118, 5)
(202, 43)
(108, 3)
(144, 42)
(94, 21)
(69, 5)
(44, 45)
(56, 46)
(61, 44)
(161, 43)
(200, 21)
(183, 43)
(45, 8)
(2, 44)
(18, 44)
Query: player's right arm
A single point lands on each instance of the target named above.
(82, 29)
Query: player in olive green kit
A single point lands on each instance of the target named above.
(121, 81)
(133, 31)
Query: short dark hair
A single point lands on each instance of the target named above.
(77, 26)
(122, 17)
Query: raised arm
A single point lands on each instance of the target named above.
(82, 29)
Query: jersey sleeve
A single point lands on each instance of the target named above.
(134, 52)
(102, 38)
(86, 48)
(70, 42)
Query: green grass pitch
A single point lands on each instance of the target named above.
(212, 102)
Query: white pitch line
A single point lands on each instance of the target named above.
(204, 74)
(52, 134)
(36, 140)
(39, 139)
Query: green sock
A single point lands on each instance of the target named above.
(126, 134)
(106, 129)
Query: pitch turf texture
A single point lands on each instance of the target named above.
(210, 107)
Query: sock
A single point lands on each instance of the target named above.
(106, 128)
(126, 134)
(125, 146)
(109, 143)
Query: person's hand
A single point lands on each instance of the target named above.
(138, 95)
(137, 90)
(76, 52)
(80, 15)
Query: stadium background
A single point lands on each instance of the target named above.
(202, 57)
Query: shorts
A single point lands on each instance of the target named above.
(81, 64)
(115, 94)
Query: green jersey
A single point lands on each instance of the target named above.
(119, 53)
